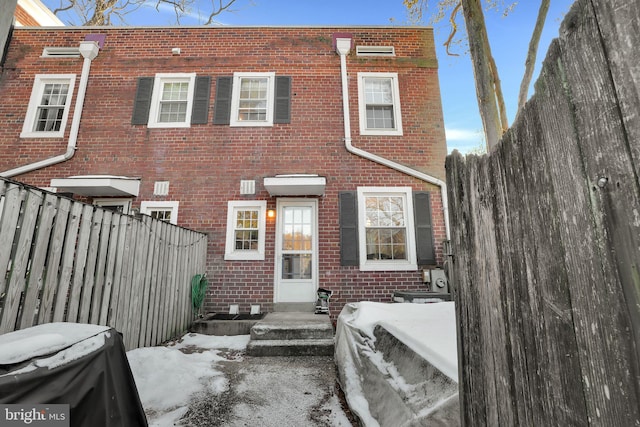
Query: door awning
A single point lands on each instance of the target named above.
(98, 185)
(295, 185)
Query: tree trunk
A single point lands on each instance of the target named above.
(482, 59)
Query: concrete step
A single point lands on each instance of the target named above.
(304, 347)
(292, 334)
(292, 326)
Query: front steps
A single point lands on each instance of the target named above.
(292, 334)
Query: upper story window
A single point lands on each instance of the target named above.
(49, 106)
(172, 100)
(252, 99)
(379, 104)
(245, 230)
(166, 211)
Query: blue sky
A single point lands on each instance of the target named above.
(509, 39)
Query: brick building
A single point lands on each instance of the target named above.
(312, 157)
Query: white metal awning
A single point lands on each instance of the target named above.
(295, 185)
(98, 185)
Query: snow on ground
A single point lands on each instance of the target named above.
(167, 378)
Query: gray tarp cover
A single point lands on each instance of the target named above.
(96, 381)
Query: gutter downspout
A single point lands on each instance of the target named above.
(343, 46)
(89, 50)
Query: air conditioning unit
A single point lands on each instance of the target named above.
(439, 282)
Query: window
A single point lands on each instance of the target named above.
(172, 100)
(386, 231)
(252, 99)
(116, 205)
(49, 106)
(245, 230)
(379, 104)
(163, 211)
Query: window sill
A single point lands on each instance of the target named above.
(388, 266)
(371, 132)
(244, 256)
(168, 125)
(250, 124)
(42, 134)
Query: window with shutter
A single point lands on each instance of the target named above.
(200, 112)
(142, 102)
(425, 248)
(386, 236)
(348, 201)
(222, 109)
(170, 103)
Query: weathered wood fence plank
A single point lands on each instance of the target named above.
(546, 240)
(68, 261)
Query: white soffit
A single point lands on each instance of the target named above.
(98, 185)
(295, 185)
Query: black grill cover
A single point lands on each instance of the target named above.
(97, 385)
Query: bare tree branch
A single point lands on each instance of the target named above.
(454, 29)
(108, 12)
(530, 62)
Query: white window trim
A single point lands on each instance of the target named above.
(235, 100)
(230, 252)
(147, 206)
(362, 106)
(411, 262)
(160, 79)
(125, 203)
(36, 95)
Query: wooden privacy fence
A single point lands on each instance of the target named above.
(546, 240)
(68, 261)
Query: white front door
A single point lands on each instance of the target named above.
(296, 250)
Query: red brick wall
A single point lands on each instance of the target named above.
(205, 163)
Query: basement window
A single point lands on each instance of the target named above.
(375, 51)
(61, 52)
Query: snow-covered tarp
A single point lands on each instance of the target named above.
(83, 366)
(397, 363)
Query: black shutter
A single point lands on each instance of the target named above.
(142, 102)
(200, 110)
(282, 104)
(222, 113)
(424, 231)
(348, 202)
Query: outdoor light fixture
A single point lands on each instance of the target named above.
(271, 213)
(175, 51)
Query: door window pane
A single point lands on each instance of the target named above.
(296, 266)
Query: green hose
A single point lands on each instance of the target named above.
(199, 286)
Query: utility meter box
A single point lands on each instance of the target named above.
(439, 282)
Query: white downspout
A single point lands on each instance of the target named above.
(89, 50)
(343, 46)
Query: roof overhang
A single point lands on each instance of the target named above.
(295, 185)
(98, 185)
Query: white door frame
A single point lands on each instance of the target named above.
(278, 281)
